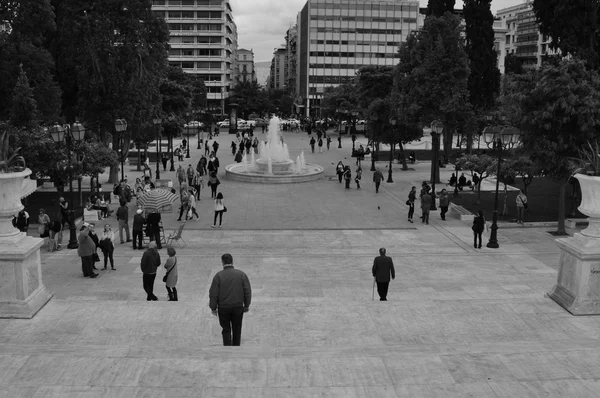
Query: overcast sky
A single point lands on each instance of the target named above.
(262, 23)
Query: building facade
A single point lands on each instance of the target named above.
(245, 66)
(277, 75)
(522, 37)
(338, 37)
(291, 45)
(204, 42)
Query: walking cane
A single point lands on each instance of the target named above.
(373, 296)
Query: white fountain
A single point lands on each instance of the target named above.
(274, 164)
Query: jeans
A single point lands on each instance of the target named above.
(377, 184)
(444, 210)
(231, 322)
(220, 215)
(123, 225)
(137, 235)
(426, 216)
(148, 282)
(520, 211)
(347, 183)
(382, 289)
(108, 255)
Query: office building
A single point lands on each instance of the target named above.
(245, 66)
(338, 37)
(277, 76)
(204, 42)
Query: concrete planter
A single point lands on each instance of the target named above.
(22, 292)
(578, 285)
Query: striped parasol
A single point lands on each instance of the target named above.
(157, 199)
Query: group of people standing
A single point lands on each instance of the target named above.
(427, 198)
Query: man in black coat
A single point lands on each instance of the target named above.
(383, 267)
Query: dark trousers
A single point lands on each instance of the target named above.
(377, 184)
(164, 162)
(182, 210)
(382, 289)
(231, 322)
(476, 235)
(138, 235)
(108, 255)
(155, 236)
(220, 215)
(172, 291)
(148, 282)
(340, 177)
(347, 183)
(87, 265)
(213, 191)
(443, 211)
(411, 211)
(425, 216)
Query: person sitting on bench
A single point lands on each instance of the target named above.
(452, 181)
(462, 181)
(412, 157)
(475, 180)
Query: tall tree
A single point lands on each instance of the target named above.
(573, 26)
(439, 7)
(557, 109)
(116, 51)
(484, 80)
(432, 76)
(24, 109)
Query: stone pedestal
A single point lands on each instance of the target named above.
(22, 292)
(578, 285)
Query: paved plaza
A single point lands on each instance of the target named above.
(458, 321)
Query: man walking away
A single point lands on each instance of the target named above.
(377, 178)
(230, 295)
(138, 229)
(383, 267)
(444, 203)
(123, 219)
(149, 265)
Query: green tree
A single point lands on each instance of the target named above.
(559, 112)
(24, 108)
(507, 176)
(342, 97)
(573, 26)
(512, 65)
(484, 80)
(116, 51)
(439, 7)
(433, 74)
(480, 164)
(526, 169)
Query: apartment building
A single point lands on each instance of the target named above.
(291, 45)
(277, 76)
(204, 42)
(522, 36)
(245, 66)
(338, 37)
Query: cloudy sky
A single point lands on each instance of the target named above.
(262, 23)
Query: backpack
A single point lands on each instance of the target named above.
(478, 224)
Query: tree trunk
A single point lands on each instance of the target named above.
(139, 158)
(404, 166)
(505, 208)
(469, 142)
(448, 136)
(561, 210)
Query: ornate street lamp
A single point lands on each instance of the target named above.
(170, 138)
(393, 122)
(191, 129)
(374, 119)
(499, 138)
(157, 121)
(74, 133)
(121, 127)
(437, 128)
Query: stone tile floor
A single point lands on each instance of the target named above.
(459, 321)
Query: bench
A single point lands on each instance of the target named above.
(462, 213)
(90, 215)
(576, 222)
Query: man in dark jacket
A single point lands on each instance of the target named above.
(123, 219)
(153, 228)
(383, 267)
(230, 294)
(86, 251)
(138, 229)
(149, 265)
(377, 178)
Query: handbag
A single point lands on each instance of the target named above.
(169, 271)
(408, 202)
(96, 257)
(224, 209)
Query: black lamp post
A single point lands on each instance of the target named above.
(157, 121)
(456, 194)
(121, 127)
(199, 142)
(75, 133)
(171, 120)
(393, 122)
(437, 128)
(499, 138)
(374, 119)
(191, 129)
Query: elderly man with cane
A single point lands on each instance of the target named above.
(383, 268)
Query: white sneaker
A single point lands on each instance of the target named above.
(213, 226)
(220, 226)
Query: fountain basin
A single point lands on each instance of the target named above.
(237, 172)
(283, 167)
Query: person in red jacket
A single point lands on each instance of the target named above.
(383, 267)
(230, 295)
